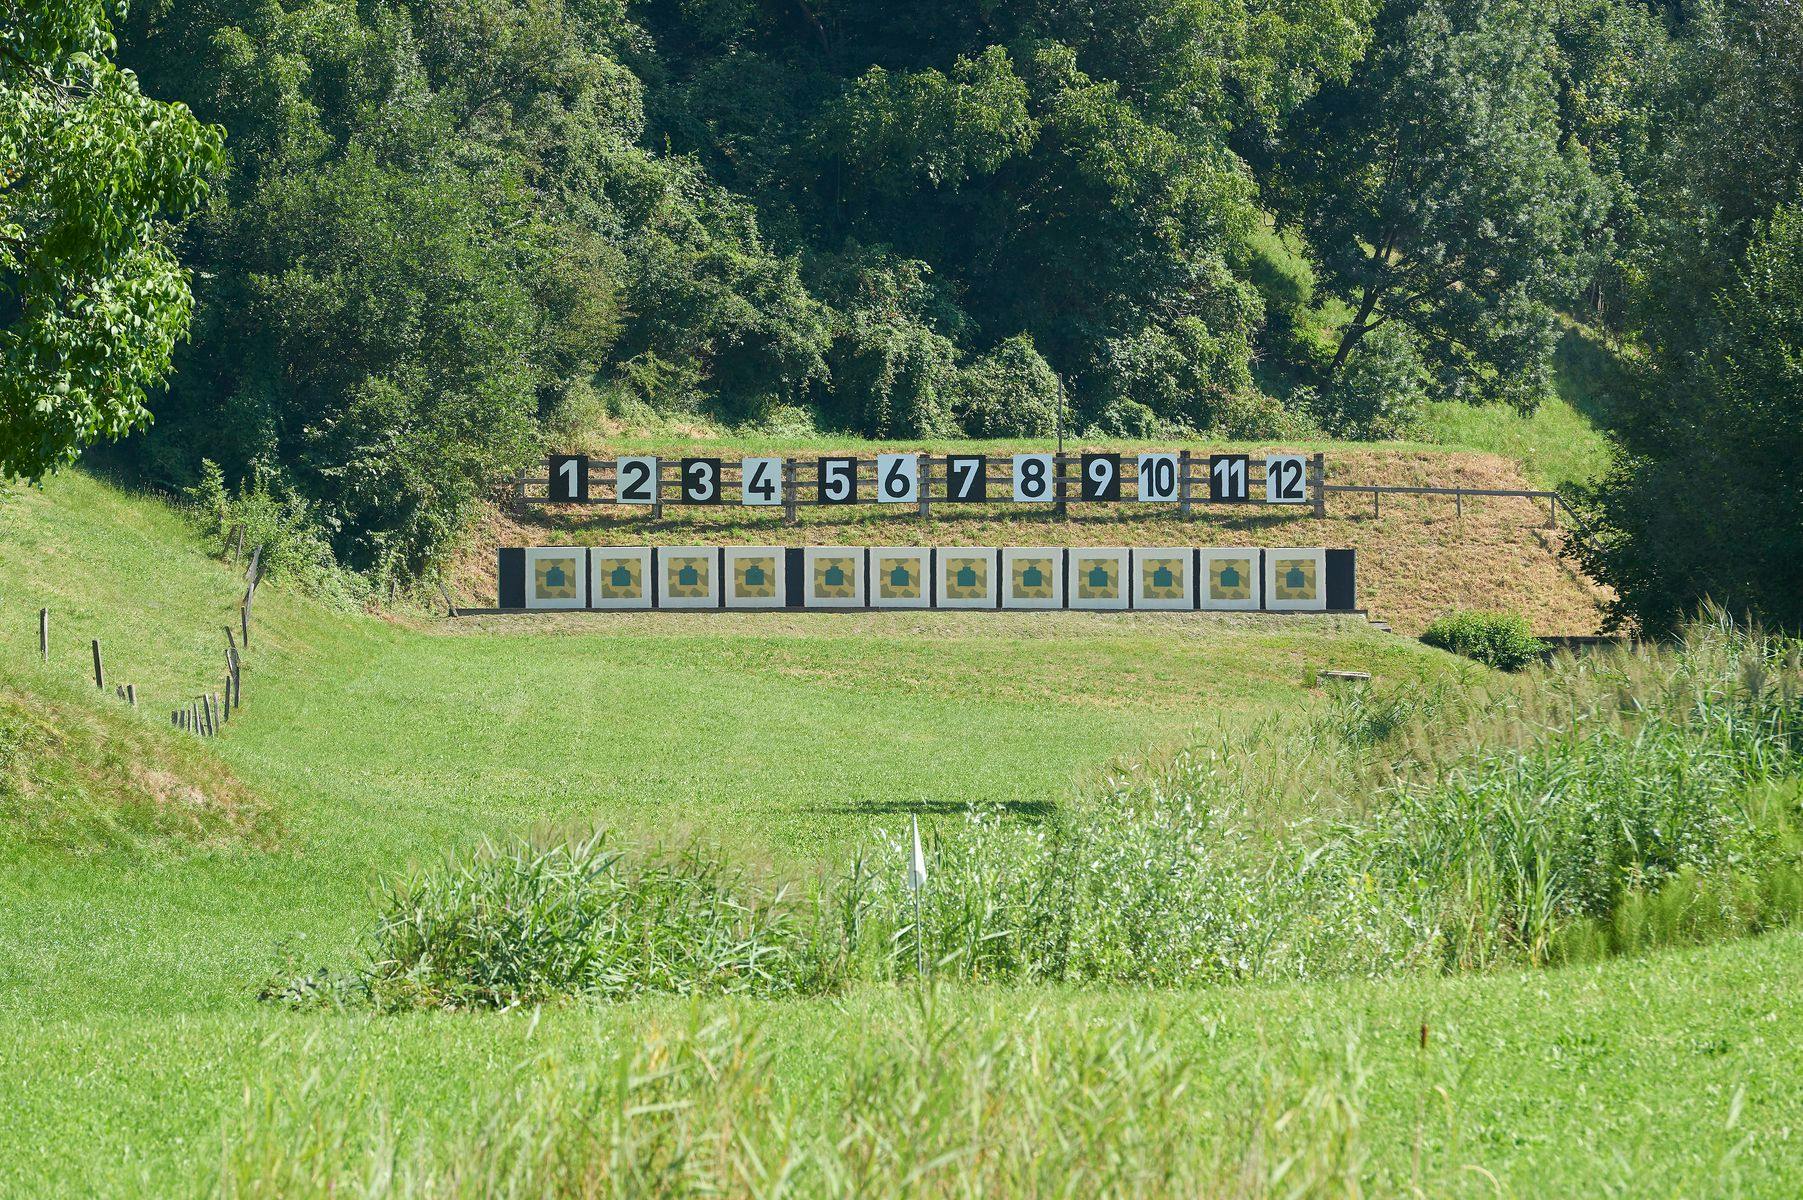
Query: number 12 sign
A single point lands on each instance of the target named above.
(1286, 479)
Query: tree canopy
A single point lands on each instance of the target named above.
(92, 177)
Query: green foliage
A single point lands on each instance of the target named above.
(93, 175)
(1500, 640)
(1381, 393)
(1008, 392)
(1703, 499)
(1435, 187)
(282, 530)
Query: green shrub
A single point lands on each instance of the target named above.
(1009, 392)
(1501, 640)
(284, 526)
(1381, 393)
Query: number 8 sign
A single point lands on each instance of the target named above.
(1032, 477)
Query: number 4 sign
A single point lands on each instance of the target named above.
(897, 478)
(761, 480)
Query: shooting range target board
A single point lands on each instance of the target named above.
(688, 577)
(1230, 580)
(1152, 579)
(1164, 578)
(1097, 577)
(901, 577)
(833, 576)
(620, 577)
(966, 576)
(1033, 577)
(756, 577)
(1296, 580)
(557, 577)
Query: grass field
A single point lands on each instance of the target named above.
(136, 1059)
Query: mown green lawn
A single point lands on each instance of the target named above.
(129, 1031)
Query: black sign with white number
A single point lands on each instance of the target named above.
(1228, 478)
(635, 480)
(1286, 479)
(569, 478)
(701, 481)
(967, 477)
(838, 480)
(1101, 477)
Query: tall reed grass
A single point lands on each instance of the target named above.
(935, 1101)
(1595, 805)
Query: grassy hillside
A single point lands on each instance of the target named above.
(138, 1060)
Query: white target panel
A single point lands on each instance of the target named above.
(901, 577)
(1296, 580)
(1230, 579)
(1033, 478)
(688, 577)
(1158, 478)
(834, 577)
(1163, 578)
(756, 577)
(620, 577)
(635, 480)
(1097, 577)
(760, 481)
(557, 577)
(897, 478)
(1286, 479)
(966, 576)
(1032, 577)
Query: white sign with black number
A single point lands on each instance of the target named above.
(761, 481)
(898, 478)
(635, 480)
(1032, 478)
(1158, 478)
(1286, 479)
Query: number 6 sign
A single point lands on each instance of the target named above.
(897, 478)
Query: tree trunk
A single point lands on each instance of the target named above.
(1355, 328)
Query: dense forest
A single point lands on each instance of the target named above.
(429, 236)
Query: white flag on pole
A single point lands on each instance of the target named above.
(917, 866)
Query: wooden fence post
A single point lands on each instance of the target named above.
(791, 515)
(131, 694)
(657, 488)
(1183, 508)
(1320, 466)
(99, 675)
(925, 484)
(1375, 497)
(1552, 516)
(44, 634)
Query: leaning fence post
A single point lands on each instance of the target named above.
(99, 675)
(44, 634)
